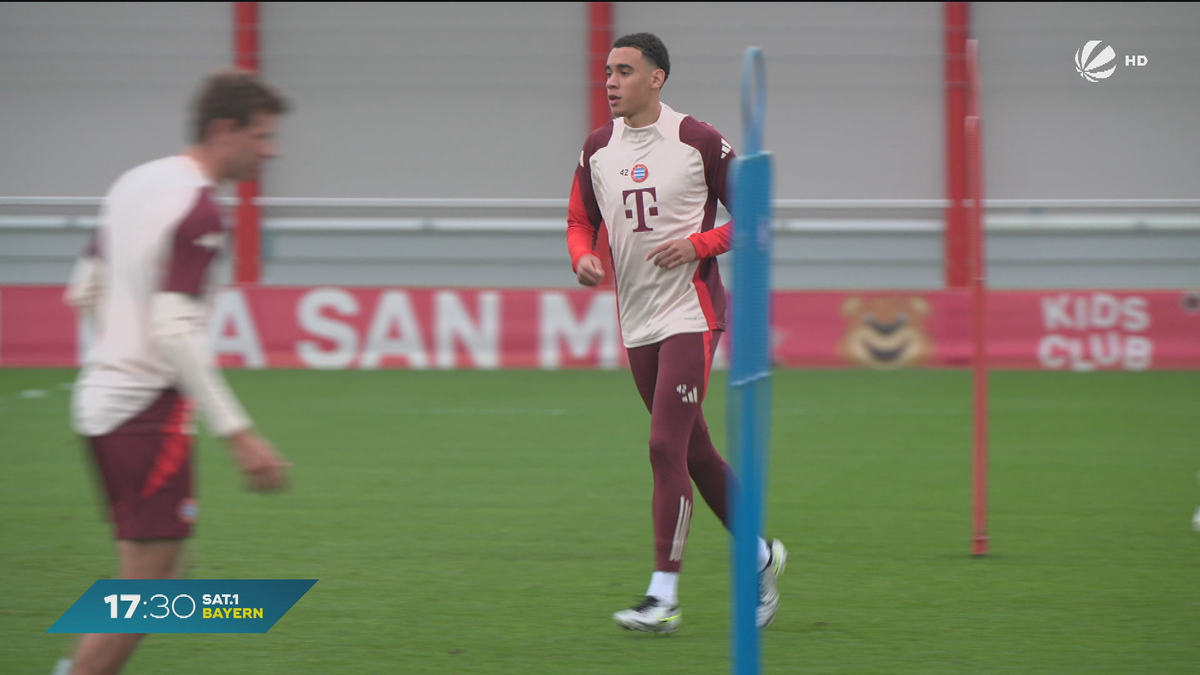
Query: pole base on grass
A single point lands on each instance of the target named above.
(979, 545)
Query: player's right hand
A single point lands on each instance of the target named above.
(589, 271)
(265, 469)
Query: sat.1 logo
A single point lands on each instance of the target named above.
(1094, 65)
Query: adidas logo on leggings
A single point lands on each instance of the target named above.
(688, 396)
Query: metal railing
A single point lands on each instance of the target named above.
(548, 215)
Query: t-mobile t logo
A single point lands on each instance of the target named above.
(640, 205)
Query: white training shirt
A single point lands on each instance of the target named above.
(159, 233)
(652, 185)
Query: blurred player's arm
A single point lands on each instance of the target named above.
(177, 317)
(177, 325)
(86, 285)
(583, 226)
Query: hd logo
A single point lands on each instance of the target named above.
(1093, 65)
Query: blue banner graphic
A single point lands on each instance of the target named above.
(182, 606)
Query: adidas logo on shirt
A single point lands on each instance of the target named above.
(726, 148)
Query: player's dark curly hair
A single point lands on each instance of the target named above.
(236, 94)
(651, 47)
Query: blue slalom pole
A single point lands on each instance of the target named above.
(750, 365)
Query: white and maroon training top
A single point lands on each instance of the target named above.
(652, 185)
(159, 233)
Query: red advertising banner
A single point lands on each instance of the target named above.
(368, 328)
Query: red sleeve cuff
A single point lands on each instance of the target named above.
(714, 242)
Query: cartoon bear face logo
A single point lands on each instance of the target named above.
(886, 331)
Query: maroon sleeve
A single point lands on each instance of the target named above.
(717, 154)
(197, 241)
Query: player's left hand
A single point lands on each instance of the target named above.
(672, 254)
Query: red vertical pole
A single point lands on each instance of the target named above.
(973, 129)
(600, 39)
(247, 236)
(956, 21)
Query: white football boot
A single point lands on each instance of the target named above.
(650, 616)
(768, 592)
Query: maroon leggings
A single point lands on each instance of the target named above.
(672, 377)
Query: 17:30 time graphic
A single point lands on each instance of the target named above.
(169, 605)
(182, 606)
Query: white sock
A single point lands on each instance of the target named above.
(62, 667)
(764, 554)
(665, 587)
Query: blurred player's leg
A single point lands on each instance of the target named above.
(106, 654)
(145, 468)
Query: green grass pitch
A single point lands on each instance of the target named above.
(490, 522)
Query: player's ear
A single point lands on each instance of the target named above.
(658, 78)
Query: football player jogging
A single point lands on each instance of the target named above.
(143, 281)
(654, 176)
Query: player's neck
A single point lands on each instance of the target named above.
(207, 163)
(644, 117)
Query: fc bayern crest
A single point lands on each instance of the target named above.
(639, 173)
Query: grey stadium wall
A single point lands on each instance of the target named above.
(417, 100)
